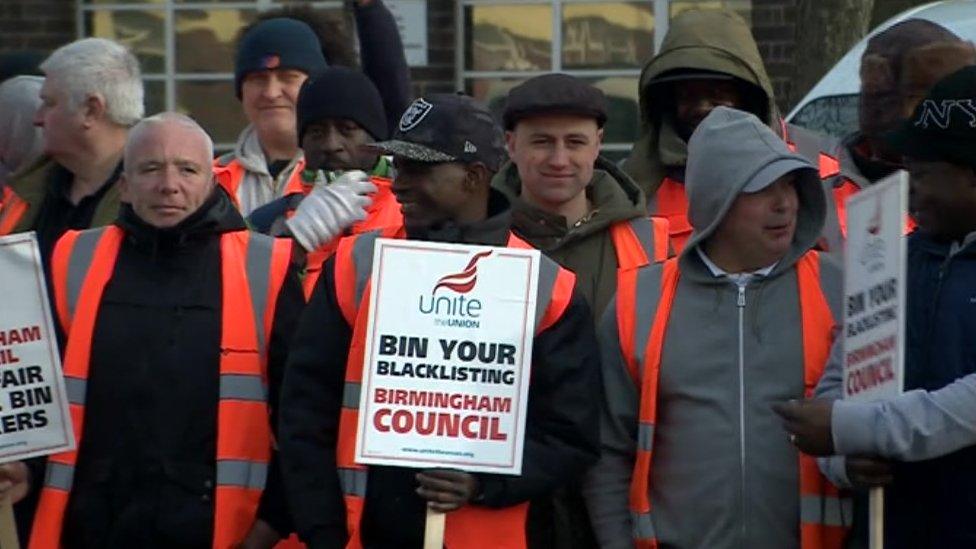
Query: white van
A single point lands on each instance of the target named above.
(831, 106)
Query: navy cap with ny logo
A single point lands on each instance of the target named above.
(447, 128)
(943, 126)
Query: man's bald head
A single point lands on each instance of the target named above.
(169, 118)
(168, 169)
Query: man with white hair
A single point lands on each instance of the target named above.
(92, 94)
(176, 320)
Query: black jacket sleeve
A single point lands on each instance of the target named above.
(382, 58)
(273, 507)
(311, 400)
(563, 421)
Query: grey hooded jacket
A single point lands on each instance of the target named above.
(724, 474)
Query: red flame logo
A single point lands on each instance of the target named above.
(464, 281)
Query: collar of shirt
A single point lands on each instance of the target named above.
(959, 246)
(740, 279)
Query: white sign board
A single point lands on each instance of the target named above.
(34, 415)
(874, 290)
(411, 18)
(448, 355)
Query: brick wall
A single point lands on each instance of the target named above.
(774, 26)
(36, 24)
(438, 75)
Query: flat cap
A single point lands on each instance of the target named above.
(554, 94)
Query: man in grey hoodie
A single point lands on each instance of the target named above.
(693, 455)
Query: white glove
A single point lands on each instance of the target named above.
(330, 209)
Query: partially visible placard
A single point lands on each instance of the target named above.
(34, 415)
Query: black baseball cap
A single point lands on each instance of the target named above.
(447, 128)
(943, 126)
(554, 93)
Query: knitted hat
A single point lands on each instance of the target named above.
(279, 43)
(340, 92)
(943, 126)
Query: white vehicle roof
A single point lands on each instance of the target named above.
(959, 16)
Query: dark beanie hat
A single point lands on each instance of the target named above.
(340, 92)
(279, 43)
(943, 126)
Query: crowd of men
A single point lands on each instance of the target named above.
(685, 370)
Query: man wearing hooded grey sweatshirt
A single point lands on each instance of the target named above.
(693, 455)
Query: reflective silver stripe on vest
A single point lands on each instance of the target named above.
(77, 389)
(59, 476)
(645, 436)
(243, 387)
(362, 258)
(826, 510)
(242, 474)
(353, 481)
(258, 269)
(548, 272)
(832, 286)
(648, 293)
(350, 395)
(642, 526)
(644, 229)
(78, 264)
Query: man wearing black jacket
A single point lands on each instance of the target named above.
(445, 151)
(167, 416)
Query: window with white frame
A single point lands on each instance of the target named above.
(501, 43)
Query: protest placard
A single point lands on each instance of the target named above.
(874, 290)
(448, 355)
(875, 261)
(34, 416)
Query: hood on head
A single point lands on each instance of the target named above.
(717, 41)
(733, 151)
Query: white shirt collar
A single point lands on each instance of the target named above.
(739, 278)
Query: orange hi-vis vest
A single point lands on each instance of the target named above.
(382, 213)
(829, 166)
(671, 203)
(253, 269)
(12, 209)
(642, 334)
(229, 173)
(640, 241)
(470, 526)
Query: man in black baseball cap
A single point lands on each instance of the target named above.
(583, 212)
(445, 150)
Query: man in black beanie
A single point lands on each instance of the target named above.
(339, 112)
(274, 58)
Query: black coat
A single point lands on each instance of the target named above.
(146, 466)
(562, 433)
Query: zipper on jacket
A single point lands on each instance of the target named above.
(741, 306)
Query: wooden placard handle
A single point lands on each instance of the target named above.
(8, 527)
(433, 530)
